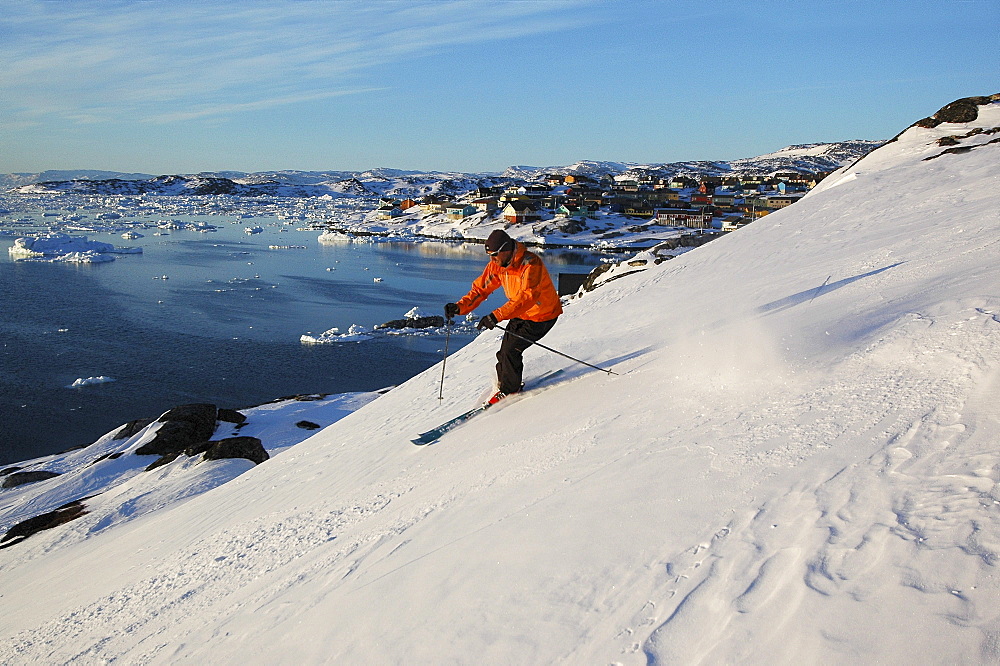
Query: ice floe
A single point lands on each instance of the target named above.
(63, 247)
(89, 381)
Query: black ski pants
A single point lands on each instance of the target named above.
(510, 365)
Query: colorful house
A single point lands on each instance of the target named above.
(460, 211)
(486, 204)
(388, 212)
(569, 210)
(694, 218)
(519, 212)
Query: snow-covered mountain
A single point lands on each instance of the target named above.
(398, 183)
(809, 158)
(10, 181)
(795, 462)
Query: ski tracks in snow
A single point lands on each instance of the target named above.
(263, 573)
(881, 532)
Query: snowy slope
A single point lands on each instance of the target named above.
(796, 463)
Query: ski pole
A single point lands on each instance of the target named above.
(554, 351)
(447, 336)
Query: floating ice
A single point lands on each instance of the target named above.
(88, 257)
(100, 379)
(334, 238)
(61, 245)
(415, 313)
(356, 333)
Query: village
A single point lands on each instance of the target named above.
(720, 203)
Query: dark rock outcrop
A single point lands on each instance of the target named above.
(131, 428)
(107, 456)
(20, 478)
(78, 447)
(231, 416)
(45, 521)
(198, 448)
(963, 110)
(182, 427)
(250, 448)
(308, 425)
(433, 321)
(301, 397)
(163, 460)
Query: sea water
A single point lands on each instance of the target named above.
(213, 317)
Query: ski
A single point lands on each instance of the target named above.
(434, 434)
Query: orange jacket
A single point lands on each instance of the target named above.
(529, 289)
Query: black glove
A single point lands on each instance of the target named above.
(450, 310)
(489, 321)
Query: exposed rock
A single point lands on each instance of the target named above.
(250, 448)
(131, 428)
(107, 456)
(572, 226)
(231, 416)
(202, 415)
(9, 470)
(60, 516)
(434, 321)
(963, 110)
(959, 150)
(591, 282)
(172, 437)
(308, 425)
(163, 460)
(78, 447)
(182, 426)
(20, 478)
(697, 240)
(302, 397)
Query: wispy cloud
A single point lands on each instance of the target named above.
(93, 61)
(208, 110)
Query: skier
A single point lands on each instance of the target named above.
(532, 305)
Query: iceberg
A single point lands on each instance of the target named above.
(87, 381)
(88, 257)
(63, 246)
(356, 333)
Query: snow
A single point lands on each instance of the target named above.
(796, 463)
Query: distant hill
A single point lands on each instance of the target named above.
(11, 180)
(818, 157)
(812, 157)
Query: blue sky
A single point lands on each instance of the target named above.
(470, 85)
